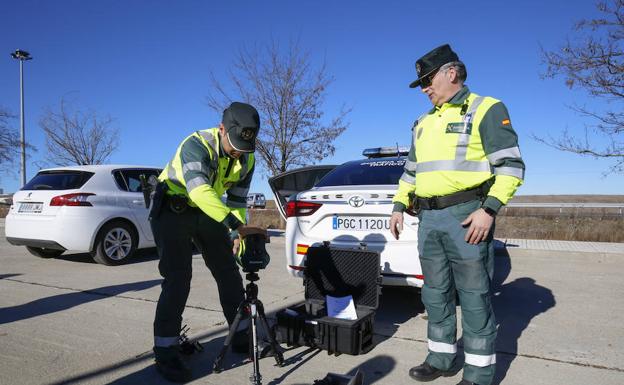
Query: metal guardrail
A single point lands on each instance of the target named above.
(576, 209)
(562, 205)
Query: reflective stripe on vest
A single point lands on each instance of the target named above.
(212, 142)
(459, 163)
(171, 176)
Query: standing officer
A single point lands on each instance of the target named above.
(188, 209)
(463, 165)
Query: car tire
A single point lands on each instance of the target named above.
(43, 252)
(115, 243)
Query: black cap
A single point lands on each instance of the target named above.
(241, 122)
(433, 60)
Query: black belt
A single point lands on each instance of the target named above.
(441, 202)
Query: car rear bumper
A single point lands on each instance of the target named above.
(35, 243)
(400, 265)
(67, 232)
(391, 279)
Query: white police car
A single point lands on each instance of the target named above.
(349, 205)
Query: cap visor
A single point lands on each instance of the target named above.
(415, 83)
(241, 146)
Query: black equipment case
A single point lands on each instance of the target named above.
(336, 272)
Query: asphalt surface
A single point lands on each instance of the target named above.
(69, 321)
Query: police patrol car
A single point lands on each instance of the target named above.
(349, 205)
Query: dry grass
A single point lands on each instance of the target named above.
(266, 218)
(4, 210)
(591, 229)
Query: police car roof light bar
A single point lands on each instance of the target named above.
(380, 152)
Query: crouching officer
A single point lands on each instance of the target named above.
(464, 164)
(188, 209)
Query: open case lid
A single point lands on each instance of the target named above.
(341, 272)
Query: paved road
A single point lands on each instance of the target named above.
(69, 320)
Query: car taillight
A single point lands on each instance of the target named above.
(76, 199)
(301, 209)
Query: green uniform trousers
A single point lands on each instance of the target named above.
(174, 234)
(452, 266)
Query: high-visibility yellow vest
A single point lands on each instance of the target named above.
(199, 172)
(448, 153)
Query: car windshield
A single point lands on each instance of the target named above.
(58, 180)
(378, 171)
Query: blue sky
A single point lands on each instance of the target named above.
(147, 64)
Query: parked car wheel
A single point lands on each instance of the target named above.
(44, 253)
(115, 243)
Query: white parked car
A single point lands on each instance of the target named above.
(97, 209)
(349, 205)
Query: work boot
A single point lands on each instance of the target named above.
(425, 372)
(240, 342)
(169, 363)
(466, 382)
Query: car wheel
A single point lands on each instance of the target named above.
(44, 253)
(115, 243)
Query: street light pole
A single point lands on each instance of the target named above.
(21, 56)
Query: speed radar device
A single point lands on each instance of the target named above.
(253, 259)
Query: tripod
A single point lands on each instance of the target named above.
(256, 311)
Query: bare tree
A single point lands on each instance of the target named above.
(75, 137)
(594, 61)
(289, 95)
(9, 141)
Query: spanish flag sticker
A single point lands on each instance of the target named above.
(506, 122)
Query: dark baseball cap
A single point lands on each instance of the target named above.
(433, 60)
(241, 122)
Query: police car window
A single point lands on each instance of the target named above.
(385, 171)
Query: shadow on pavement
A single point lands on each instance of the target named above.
(3, 276)
(62, 302)
(515, 304)
(140, 256)
(200, 363)
(397, 305)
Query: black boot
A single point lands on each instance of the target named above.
(169, 363)
(425, 372)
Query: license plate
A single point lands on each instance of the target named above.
(360, 223)
(30, 207)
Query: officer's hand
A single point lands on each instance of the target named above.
(244, 231)
(236, 246)
(396, 224)
(479, 223)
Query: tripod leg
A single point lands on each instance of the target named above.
(277, 353)
(218, 364)
(256, 377)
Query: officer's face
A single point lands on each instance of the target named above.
(443, 86)
(227, 146)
